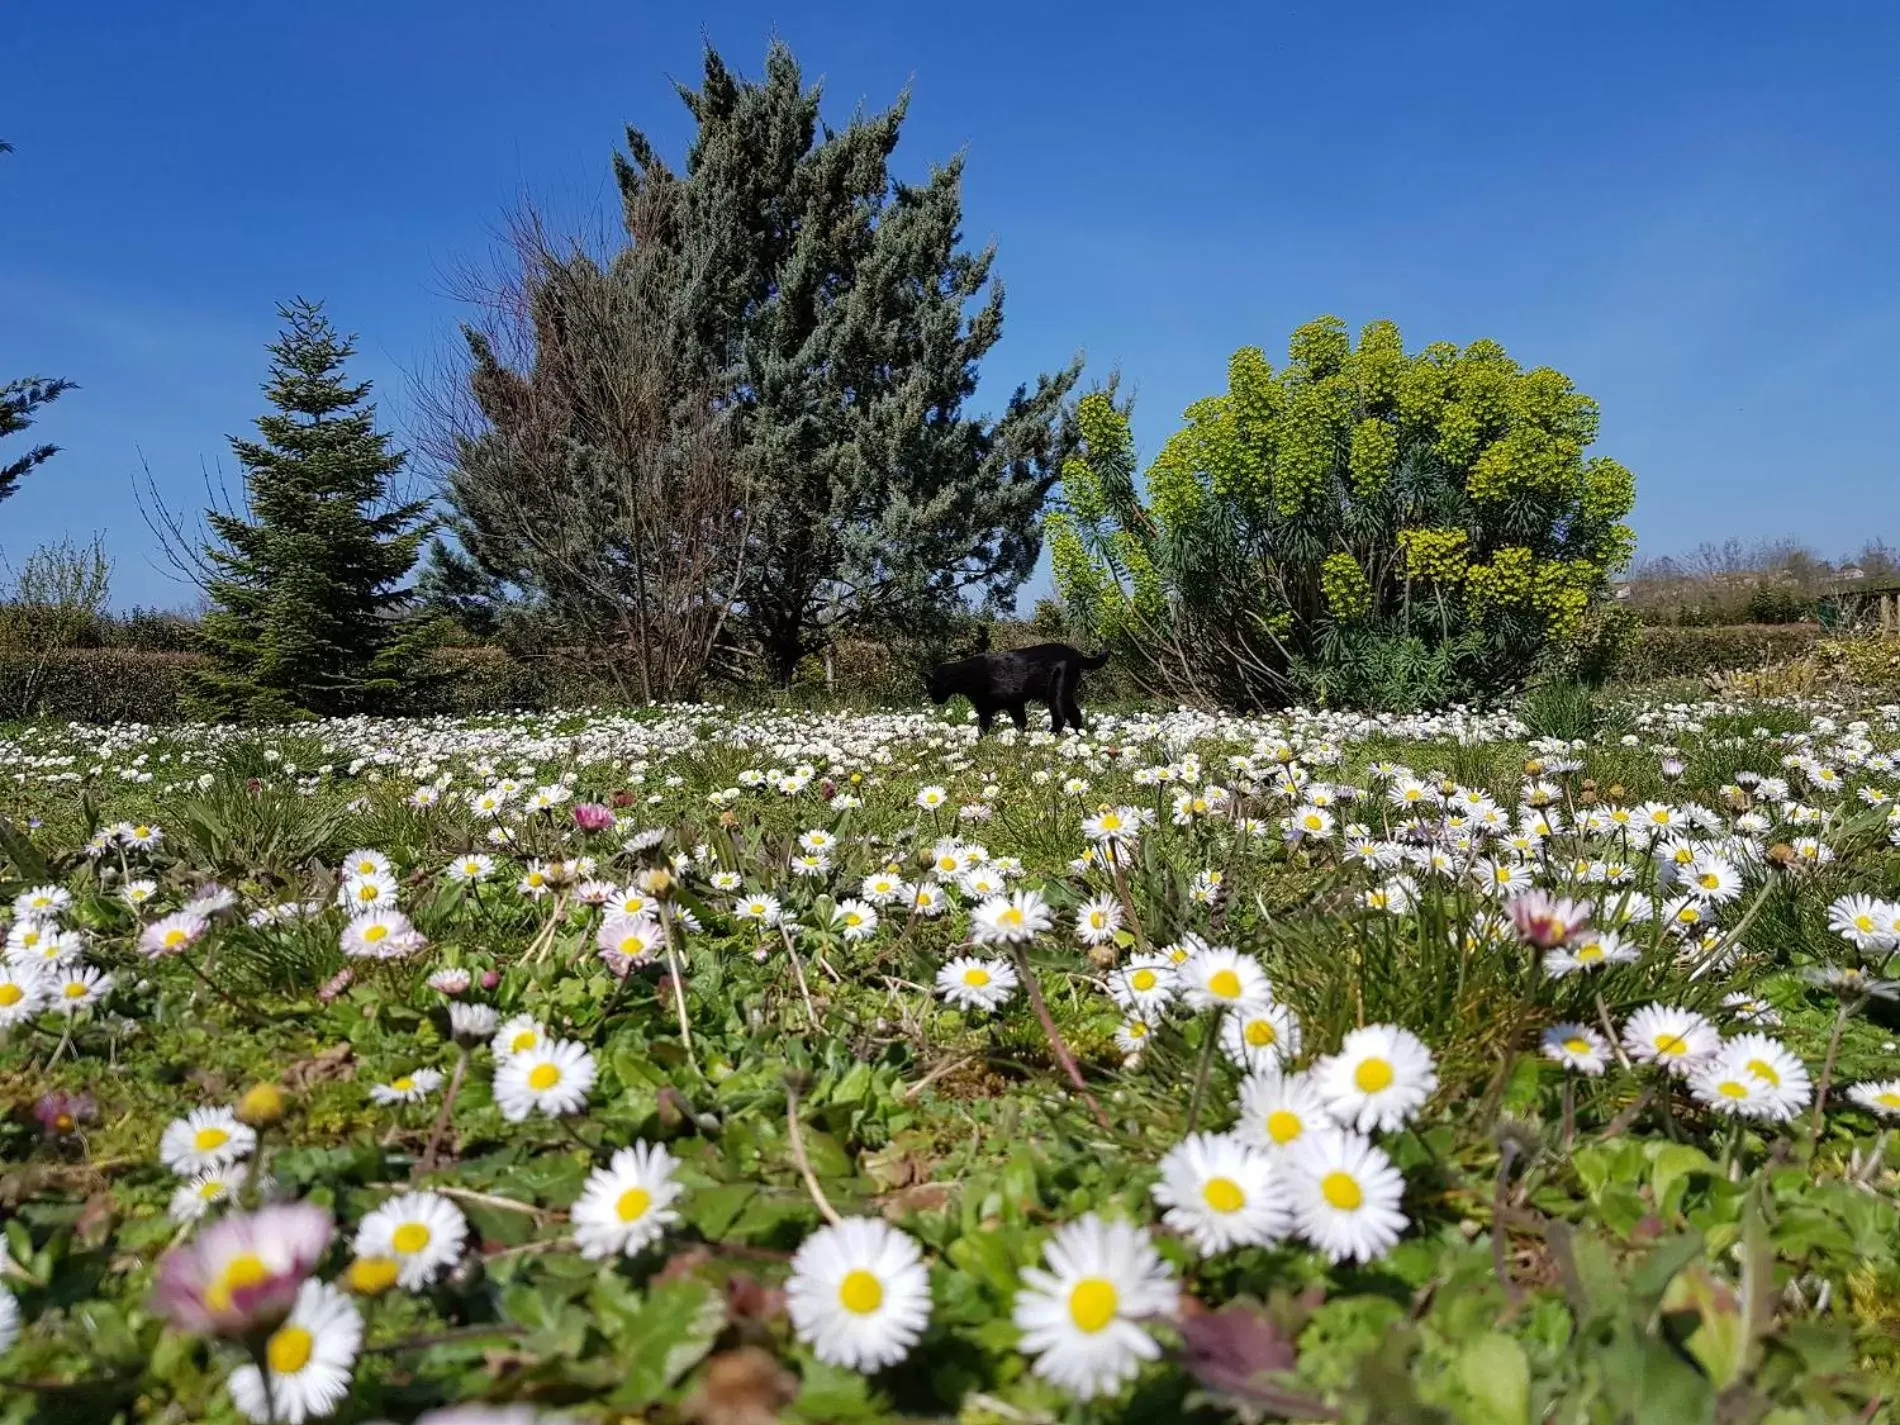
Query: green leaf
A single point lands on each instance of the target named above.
(1496, 1377)
(668, 1337)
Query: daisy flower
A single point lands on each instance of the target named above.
(380, 935)
(408, 1088)
(22, 993)
(1278, 1110)
(1578, 1047)
(1097, 920)
(859, 1294)
(309, 1358)
(42, 902)
(1345, 1195)
(1679, 1040)
(1378, 1079)
(1727, 1087)
(883, 887)
(472, 1023)
(71, 989)
(763, 911)
(1144, 989)
(1786, 1087)
(1132, 1035)
(1218, 977)
(191, 1200)
(359, 895)
(171, 934)
(1118, 826)
(138, 893)
(855, 919)
(1219, 1193)
(518, 1036)
(1591, 951)
(1260, 1036)
(203, 1139)
(628, 940)
(552, 1079)
(1080, 1313)
(973, 984)
(1878, 1096)
(627, 1205)
(472, 869)
(1012, 919)
(421, 1232)
(243, 1271)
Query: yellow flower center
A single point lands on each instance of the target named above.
(1260, 1033)
(1590, 954)
(1764, 1071)
(1224, 1195)
(289, 1350)
(523, 1041)
(1673, 1045)
(403, 1084)
(75, 989)
(1224, 983)
(373, 933)
(10, 994)
(174, 938)
(247, 1269)
(208, 1140)
(1373, 1076)
(632, 1204)
(1888, 1099)
(1577, 1046)
(1729, 1088)
(1283, 1127)
(860, 1292)
(366, 892)
(1143, 980)
(212, 1190)
(1111, 822)
(1012, 916)
(410, 1238)
(1092, 1304)
(372, 1276)
(976, 977)
(1342, 1191)
(543, 1077)
(1137, 1030)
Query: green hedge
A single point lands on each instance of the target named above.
(1691, 652)
(124, 685)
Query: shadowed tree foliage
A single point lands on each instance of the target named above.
(19, 399)
(1362, 525)
(309, 614)
(838, 324)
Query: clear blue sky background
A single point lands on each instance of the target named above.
(1692, 209)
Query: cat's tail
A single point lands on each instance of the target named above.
(1097, 661)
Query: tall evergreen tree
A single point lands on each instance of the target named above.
(840, 318)
(18, 401)
(310, 615)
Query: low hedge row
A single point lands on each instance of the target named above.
(1690, 652)
(126, 685)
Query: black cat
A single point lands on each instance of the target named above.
(996, 682)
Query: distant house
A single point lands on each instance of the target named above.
(1850, 571)
(1620, 590)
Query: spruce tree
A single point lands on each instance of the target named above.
(18, 401)
(842, 321)
(309, 614)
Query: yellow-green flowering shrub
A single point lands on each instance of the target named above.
(1359, 523)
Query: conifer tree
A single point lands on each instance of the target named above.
(310, 615)
(841, 321)
(18, 402)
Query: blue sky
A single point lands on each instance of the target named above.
(1690, 208)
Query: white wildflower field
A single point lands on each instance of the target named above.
(731, 1066)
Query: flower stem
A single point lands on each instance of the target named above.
(426, 1163)
(1827, 1068)
(1054, 1036)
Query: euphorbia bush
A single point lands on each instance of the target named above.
(1360, 525)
